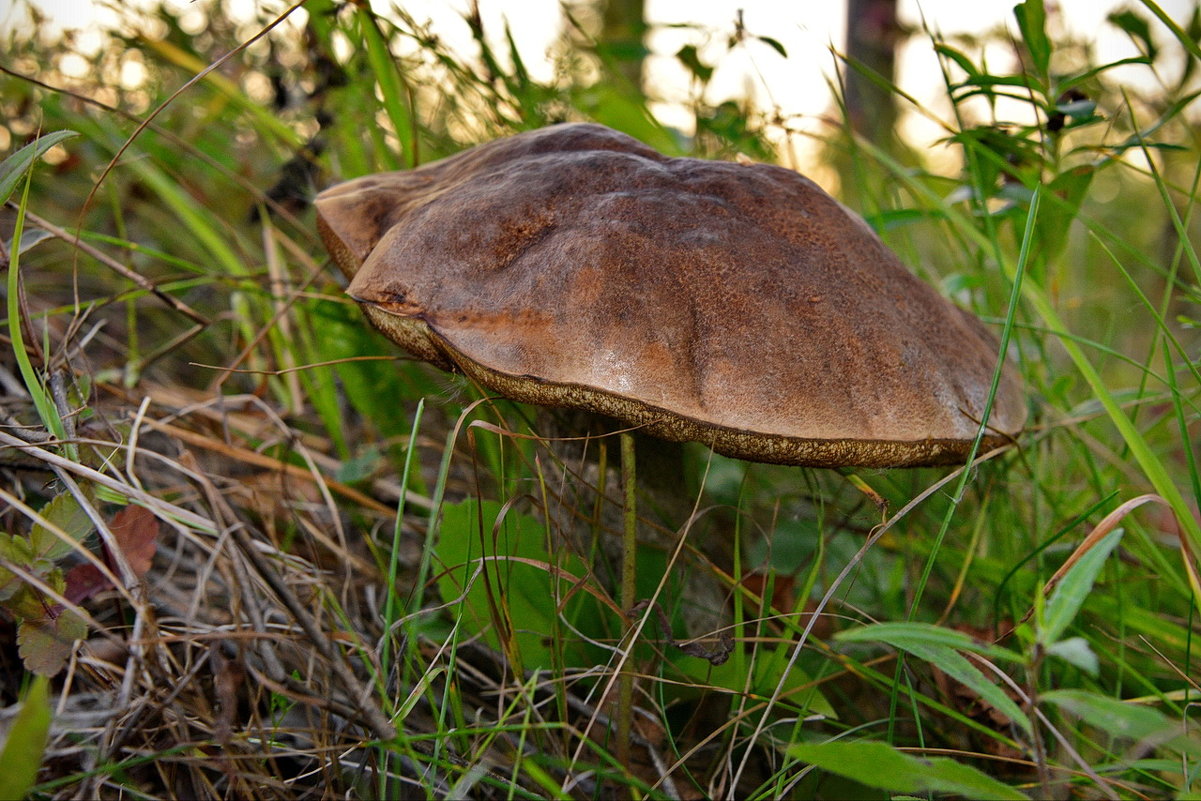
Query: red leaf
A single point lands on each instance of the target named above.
(136, 531)
(84, 581)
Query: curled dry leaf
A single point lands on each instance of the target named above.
(135, 530)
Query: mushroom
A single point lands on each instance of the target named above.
(733, 304)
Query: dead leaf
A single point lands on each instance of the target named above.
(136, 530)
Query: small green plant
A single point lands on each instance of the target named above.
(33, 585)
(1129, 729)
(41, 595)
(1008, 161)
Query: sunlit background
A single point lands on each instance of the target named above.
(798, 87)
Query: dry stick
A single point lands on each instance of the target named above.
(629, 546)
(130, 718)
(359, 697)
(265, 646)
(379, 723)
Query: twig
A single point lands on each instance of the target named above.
(164, 508)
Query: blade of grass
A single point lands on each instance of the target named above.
(1038, 299)
(1152, 467)
(1186, 41)
(391, 602)
(396, 94)
(42, 401)
(16, 166)
(26, 743)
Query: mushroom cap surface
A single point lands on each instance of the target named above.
(738, 305)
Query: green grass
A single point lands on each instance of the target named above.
(364, 582)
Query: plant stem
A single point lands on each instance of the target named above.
(629, 544)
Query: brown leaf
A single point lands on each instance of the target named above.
(136, 531)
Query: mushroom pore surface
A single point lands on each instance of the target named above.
(738, 305)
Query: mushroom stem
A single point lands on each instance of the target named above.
(629, 551)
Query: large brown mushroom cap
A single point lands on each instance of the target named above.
(736, 305)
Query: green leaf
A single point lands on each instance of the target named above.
(29, 239)
(1067, 83)
(1136, 27)
(937, 646)
(26, 744)
(774, 44)
(46, 643)
(1069, 190)
(511, 580)
(958, 57)
(897, 218)
(1076, 651)
(957, 666)
(689, 57)
(902, 635)
(1067, 598)
(881, 766)
(1078, 109)
(13, 168)
(64, 512)
(15, 550)
(1032, 21)
(1142, 724)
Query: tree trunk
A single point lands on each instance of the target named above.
(621, 45)
(873, 36)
